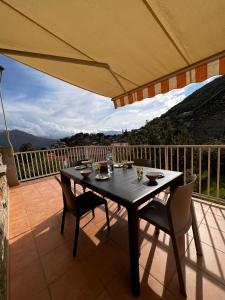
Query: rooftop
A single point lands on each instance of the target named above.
(42, 265)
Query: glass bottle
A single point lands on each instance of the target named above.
(109, 162)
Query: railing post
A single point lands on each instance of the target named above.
(208, 175)
(113, 153)
(9, 161)
(86, 151)
(185, 165)
(218, 175)
(200, 171)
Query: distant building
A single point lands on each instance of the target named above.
(58, 145)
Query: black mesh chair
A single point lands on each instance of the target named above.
(174, 218)
(79, 206)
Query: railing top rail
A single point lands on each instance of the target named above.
(123, 146)
(175, 146)
(62, 148)
(50, 149)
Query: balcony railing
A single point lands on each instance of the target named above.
(207, 161)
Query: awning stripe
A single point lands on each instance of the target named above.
(197, 74)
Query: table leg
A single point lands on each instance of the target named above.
(134, 250)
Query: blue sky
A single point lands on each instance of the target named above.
(44, 106)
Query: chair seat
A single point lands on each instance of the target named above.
(155, 213)
(87, 201)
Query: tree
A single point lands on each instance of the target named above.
(26, 147)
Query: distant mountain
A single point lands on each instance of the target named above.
(202, 113)
(19, 137)
(198, 119)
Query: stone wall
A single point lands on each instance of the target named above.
(3, 231)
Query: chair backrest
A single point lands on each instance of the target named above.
(142, 162)
(179, 205)
(69, 197)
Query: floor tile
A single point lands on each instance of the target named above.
(42, 222)
(78, 283)
(39, 253)
(119, 288)
(215, 221)
(27, 282)
(56, 262)
(23, 252)
(199, 285)
(212, 261)
(49, 239)
(200, 213)
(104, 296)
(160, 250)
(43, 295)
(108, 260)
(18, 227)
(201, 205)
(217, 210)
(212, 237)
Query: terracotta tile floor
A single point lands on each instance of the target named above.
(42, 266)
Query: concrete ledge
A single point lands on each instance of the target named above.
(8, 160)
(2, 170)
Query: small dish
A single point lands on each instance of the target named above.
(81, 167)
(161, 175)
(85, 173)
(102, 177)
(154, 175)
(128, 163)
(118, 165)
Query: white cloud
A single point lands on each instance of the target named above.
(49, 107)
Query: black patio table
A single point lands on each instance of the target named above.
(124, 188)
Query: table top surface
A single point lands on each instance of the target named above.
(124, 185)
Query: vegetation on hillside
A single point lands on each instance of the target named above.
(157, 132)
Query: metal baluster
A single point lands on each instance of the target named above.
(18, 166)
(56, 160)
(35, 156)
(49, 167)
(200, 171)
(178, 164)
(52, 161)
(171, 158)
(24, 170)
(218, 175)
(185, 167)
(160, 159)
(155, 157)
(28, 165)
(44, 155)
(208, 172)
(39, 155)
(165, 158)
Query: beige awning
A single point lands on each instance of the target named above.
(127, 50)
